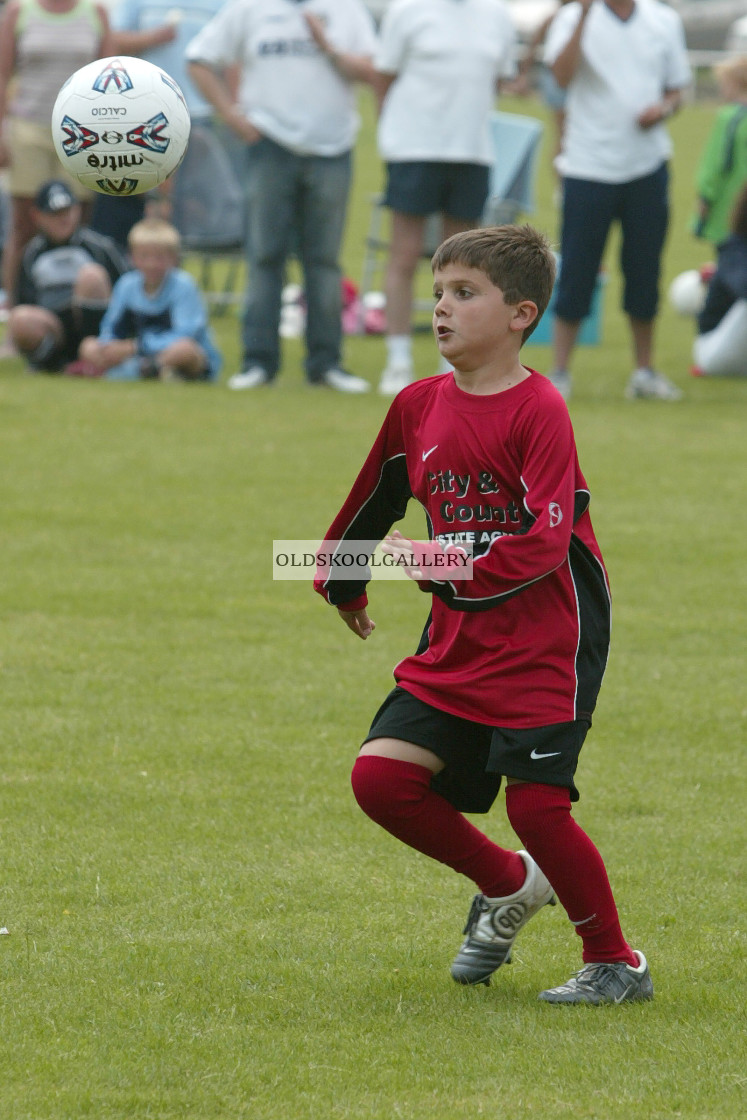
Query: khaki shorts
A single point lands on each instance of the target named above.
(33, 160)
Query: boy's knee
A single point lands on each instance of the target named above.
(386, 788)
(32, 328)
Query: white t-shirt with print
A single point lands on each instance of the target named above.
(447, 55)
(625, 67)
(290, 90)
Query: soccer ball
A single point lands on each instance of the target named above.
(687, 292)
(120, 125)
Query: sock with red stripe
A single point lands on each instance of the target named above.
(541, 816)
(397, 795)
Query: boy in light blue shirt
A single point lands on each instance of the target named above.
(156, 325)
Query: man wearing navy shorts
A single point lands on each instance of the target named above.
(624, 65)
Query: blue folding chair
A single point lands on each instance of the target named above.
(516, 142)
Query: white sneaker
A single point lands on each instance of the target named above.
(251, 378)
(344, 382)
(493, 923)
(394, 378)
(561, 379)
(647, 384)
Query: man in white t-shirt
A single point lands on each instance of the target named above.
(624, 64)
(295, 111)
(440, 64)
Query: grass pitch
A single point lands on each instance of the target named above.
(201, 922)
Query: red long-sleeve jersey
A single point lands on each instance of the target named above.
(524, 643)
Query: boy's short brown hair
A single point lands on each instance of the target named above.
(516, 259)
(155, 231)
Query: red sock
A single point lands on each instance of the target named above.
(541, 817)
(397, 795)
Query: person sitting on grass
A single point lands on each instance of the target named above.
(722, 170)
(156, 325)
(720, 348)
(64, 283)
(507, 672)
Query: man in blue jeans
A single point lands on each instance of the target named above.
(296, 113)
(624, 65)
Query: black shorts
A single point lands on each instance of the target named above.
(422, 188)
(67, 349)
(478, 756)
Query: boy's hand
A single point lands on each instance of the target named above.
(358, 622)
(401, 549)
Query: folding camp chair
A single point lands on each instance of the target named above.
(209, 212)
(516, 141)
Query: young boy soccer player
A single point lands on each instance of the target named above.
(156, 325)
(507, 673)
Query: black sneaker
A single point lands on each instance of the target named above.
(614, 982)
(493, 923)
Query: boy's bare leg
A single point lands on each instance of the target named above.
(105, 354)
(35, 333)
(405, 752)
(183, 358)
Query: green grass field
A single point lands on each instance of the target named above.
(201, 923)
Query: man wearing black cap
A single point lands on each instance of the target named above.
(64, 283)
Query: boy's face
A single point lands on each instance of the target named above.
(471, 321)
(60, 226)
(153, 261)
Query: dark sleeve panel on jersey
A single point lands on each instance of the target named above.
(367, 517)
(378, 498)
(592, 596)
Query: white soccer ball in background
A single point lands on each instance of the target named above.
(120, 125)
(687, 292)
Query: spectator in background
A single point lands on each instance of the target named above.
(721, 346)
(296, 114)
(440, 63)
(42, 42)
(723, 165)
(552, 94)
(156, 325)
(64, 283)
(159, 31)
(624, 64)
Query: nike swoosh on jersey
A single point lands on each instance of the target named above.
(427, 453)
